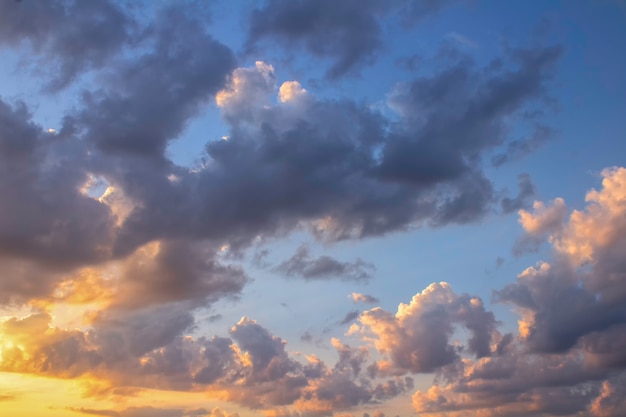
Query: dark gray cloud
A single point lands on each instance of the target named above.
(45, 217)
(301, 264)
(350, 317)
(70, 36)
(336, 167)
(53, 221)
(519, 148)
(343, 169)
(147, 101)
(219, 357)
(521, 201)
(349, 33)
(454, 115)
(563, 311)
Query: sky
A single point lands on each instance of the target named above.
(310, 208)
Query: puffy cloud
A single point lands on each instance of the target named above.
(568, 356)
(544, 219)
(598, 231)
(147, 349)
(363, 298)
(417, 337)
(560, 300)
(291, 91)
(248, 92)
(302, 265)
(513, 383)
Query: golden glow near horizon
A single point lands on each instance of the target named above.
(33, 396)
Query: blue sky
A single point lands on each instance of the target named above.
(199, 196)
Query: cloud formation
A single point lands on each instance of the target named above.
(324, 267)
(526, 191)
(567, 358)
(417, 338)
(347, 33)
(69, 36)
(363, 298)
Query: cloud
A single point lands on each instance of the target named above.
(543, 220)
(185, 80)
(347, 33)
(71, 37)
(363, 298)
(249, 90)
(595, 237)
(147, 349)
(46, 219)
(526, 191)
(417, 338)
(302, 265)
(449, 125)
(56, 220)
(567, 358)
(291, 91)
(510, 386)
(154, 412)
(37, 348)
(519, 148)
(349, 317)
(96, 213)
(333, 166)
(169, 271)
